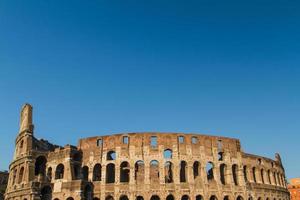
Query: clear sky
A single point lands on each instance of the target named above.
(101, 67)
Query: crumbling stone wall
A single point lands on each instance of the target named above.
(150, 166)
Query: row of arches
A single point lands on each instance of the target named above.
(264, 176)
(169, 172)
(139, 170)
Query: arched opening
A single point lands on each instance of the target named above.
(76, 168)
(97, 172)
(109, 197)
(196, 169)
(199, 197)
(85, 173)
(262, 176)
(110, 173)
(123, 197)
(154, 197)
(170, 197)
(139, 171)
(210, 171)
(194, 140)
(185, 197)
(183, 174)
(40, 166)
(269, 177)
(235, 174)
(167, 153)
(49, 174)
(213, 197)
(168, 172)
(245, 174)
(139, 198)
(226, 197)
(88, 192)
(111, 155)
(154, 171)
(70, 198)
(124, 172)
(59, 173)
(21, 174)
(46, 193)
(96, 198)
(222, 173)
(14, 176)
(274, 176)
(254, 174)
(239, 198)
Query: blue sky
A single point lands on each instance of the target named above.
(101, 67)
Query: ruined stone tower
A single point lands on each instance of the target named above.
(141, 166)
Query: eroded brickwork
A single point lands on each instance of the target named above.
(141, 166)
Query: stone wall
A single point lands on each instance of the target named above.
(150, 166)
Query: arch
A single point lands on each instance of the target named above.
(185, 197)
(110, 173)
(111, 155)
(194, 140)
(97, 172)
(254, 174)
(154, 197)
(199, 197)
(274, 176)
(235, 174)
(262, 176)
(245, 173)
(76, 170)
(46, 193)
(169, 172)
(49, 174)
(21, 174)
(223, 168)
(109, 197)
(139, 198)
(123, 197)
(183, 169)
(88, 192)
(59, 172)
(85, 173)
(40, 166)
(213, 197)
(139, 171)
(226, 197)
(269, 177)
(210, 171)
(154, 171)
(14, 176)
(124, 172)
(70, 198)
(239, 198)
(168, 154)
(170, 197)
(196, 169)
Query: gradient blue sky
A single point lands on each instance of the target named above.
(101, 67)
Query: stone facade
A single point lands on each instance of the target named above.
(294, 188)
(138, 166)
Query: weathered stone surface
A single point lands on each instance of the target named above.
(150, 166)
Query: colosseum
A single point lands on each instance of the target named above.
(140, 166)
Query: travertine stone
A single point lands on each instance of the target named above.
(134, 166)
